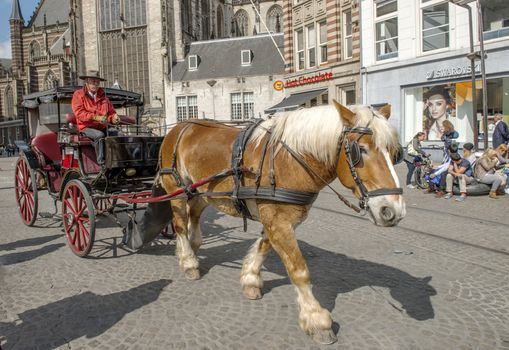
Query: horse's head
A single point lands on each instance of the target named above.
(367, 150)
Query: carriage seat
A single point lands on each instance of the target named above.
(47, 144)
(70, 118)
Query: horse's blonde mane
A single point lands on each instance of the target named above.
(315, 131)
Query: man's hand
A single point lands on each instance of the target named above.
(115, 119)
(100, 119)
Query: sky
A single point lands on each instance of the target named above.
(27, 9)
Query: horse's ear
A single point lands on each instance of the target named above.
(347, 115)
(385, 111)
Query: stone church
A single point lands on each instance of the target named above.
(41, 58)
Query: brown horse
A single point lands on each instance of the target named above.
(317, 137)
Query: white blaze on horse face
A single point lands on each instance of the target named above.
(394, 203)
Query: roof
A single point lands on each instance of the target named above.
(55, 10)
(119, 98)
(64, 40)
(6, 63)
(16, 11)
(221, 58)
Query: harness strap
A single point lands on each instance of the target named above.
(310, 171)
(260, 164)
(173, 170)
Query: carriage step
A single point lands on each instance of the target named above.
(122, 205)
(46, 215)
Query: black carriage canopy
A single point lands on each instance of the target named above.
(119, 98)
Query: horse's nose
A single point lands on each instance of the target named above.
(388, 215)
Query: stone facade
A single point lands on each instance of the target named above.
(41, 59)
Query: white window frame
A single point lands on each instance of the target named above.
(310, 51)
(381, 19)
(422, 7)
(322, 45)
(250, 55)
(187, 110)
(242, 105)
(347, 37)
(299, 52)
(193, 62)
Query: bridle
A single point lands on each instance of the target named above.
(354, 157)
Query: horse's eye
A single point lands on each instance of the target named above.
(363, 150)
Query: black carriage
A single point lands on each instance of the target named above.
(62, 161)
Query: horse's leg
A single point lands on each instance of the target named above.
(188, 262)
(313, 319)
(195, 209)
(250, 277)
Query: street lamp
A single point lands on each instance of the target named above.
(473, 56)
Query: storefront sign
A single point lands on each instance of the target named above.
(451, 72)
(311, 80)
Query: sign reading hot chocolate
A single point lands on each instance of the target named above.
(308, 80)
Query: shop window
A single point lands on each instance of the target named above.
(495, 19)
(347, 35)
(325, 99)
(242, 105)
(435, 27)
(386, 29)
(311, 46)
(187, 108)
(322, 41)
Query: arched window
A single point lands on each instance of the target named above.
(240, 23)
(9, 103)
(186, 16)
(205, 22)
(220, 22)
(51, 80)
(34, 49)
(275, 19)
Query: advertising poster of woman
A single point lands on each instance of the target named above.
(439, 105)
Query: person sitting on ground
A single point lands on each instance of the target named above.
(468, 152)
(503, 163)
(485, 172)
(448, 137)
(461, 170)
(437, 179)
(414, 153)
(94, 112)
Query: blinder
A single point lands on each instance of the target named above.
(355, 153)
(398, 155)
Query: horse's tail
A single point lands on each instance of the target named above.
(155, 219)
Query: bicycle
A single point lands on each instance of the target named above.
(423, 168)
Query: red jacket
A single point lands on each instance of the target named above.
(85, 108)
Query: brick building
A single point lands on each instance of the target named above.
(322, 53)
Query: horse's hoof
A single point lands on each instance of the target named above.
(192, 274)
(325, 337)
(252, 293)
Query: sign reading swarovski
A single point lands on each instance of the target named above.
(451, 72)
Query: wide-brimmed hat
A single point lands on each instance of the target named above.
(94, 74)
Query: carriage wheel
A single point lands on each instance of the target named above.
(78, 215)
(26, 192)
(420, 178)
(103, 205)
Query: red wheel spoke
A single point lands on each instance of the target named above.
(84, 231)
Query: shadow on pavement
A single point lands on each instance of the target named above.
(87, 314)
(28, 242)
(16, 258)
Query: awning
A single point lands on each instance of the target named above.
(294, 101)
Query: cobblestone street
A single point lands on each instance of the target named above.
(438, 280)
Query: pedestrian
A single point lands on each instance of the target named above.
(485, 172)
(501, 132)
(437, 102)
(503, 164)
(468, 153)
(94, 112)
(413, 154)
(448, 136)
(461, 170)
